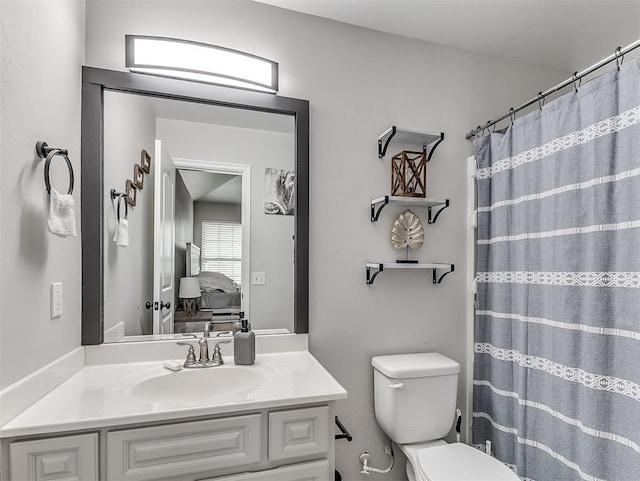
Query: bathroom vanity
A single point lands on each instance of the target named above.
(139, 421)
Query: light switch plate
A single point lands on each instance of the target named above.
(56, 299)
(258, 278)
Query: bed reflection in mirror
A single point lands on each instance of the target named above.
(199, 213)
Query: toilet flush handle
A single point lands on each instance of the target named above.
(397, 385)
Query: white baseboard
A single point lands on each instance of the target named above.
(17, 397)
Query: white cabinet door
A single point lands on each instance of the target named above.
(299, 432)
(160, 452)
(69, 458)
(315, 471)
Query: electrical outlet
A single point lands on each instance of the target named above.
(258, 278)
(56, 299)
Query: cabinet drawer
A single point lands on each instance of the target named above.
(299, 432)
(177, 449)
(315, 471)
(68, 458)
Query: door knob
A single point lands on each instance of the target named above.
(165, 305)
(148, 305)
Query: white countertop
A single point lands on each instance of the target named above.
(100, 395)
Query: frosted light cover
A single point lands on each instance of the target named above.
(200, 62)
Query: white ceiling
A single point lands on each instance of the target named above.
(565, 35)
(212, 187)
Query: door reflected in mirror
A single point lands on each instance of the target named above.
(201, 204)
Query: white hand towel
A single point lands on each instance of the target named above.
(62, 214)
(122, 233)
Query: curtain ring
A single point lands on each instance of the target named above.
(122, 197)
(541, 100)
(512, 115)
(577, 82)
(47, 164)
(619, 57)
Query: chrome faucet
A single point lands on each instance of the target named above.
(203, 343)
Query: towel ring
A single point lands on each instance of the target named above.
(120, 196)
(48, 153)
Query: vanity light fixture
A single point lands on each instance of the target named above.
(199, 62)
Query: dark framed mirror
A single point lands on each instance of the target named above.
(95, 82)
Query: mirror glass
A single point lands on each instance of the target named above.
(211, 231)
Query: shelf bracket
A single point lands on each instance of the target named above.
(370, 277)
(382, 147)
(377, 209)
(438, 280)
(432, 220)
(433, 148)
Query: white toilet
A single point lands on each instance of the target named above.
(415, 404)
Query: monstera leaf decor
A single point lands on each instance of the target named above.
(407, 231)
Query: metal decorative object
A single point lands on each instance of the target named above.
(407, 231)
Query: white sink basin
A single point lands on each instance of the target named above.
(197, 386)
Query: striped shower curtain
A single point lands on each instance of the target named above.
(557, 326)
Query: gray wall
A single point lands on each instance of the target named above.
(42, 51)
(359, 82)
(271, 305)
(129, 127)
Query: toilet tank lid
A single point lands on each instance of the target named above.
(425, 364)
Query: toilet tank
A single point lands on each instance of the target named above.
(415, 395)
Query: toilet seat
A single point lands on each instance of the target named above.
(460, 462)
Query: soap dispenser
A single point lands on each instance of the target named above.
(237, 326)
(244, 345)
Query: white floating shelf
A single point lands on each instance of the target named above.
(378, 204)
(381, 266)
(408, 136)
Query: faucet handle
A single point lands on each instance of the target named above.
(216, 359)
(222, 333)
(189, 335)
(191, 355)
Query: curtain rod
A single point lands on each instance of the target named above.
(617, 55)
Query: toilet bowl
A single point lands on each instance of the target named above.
(439, 461)
(415, 399)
